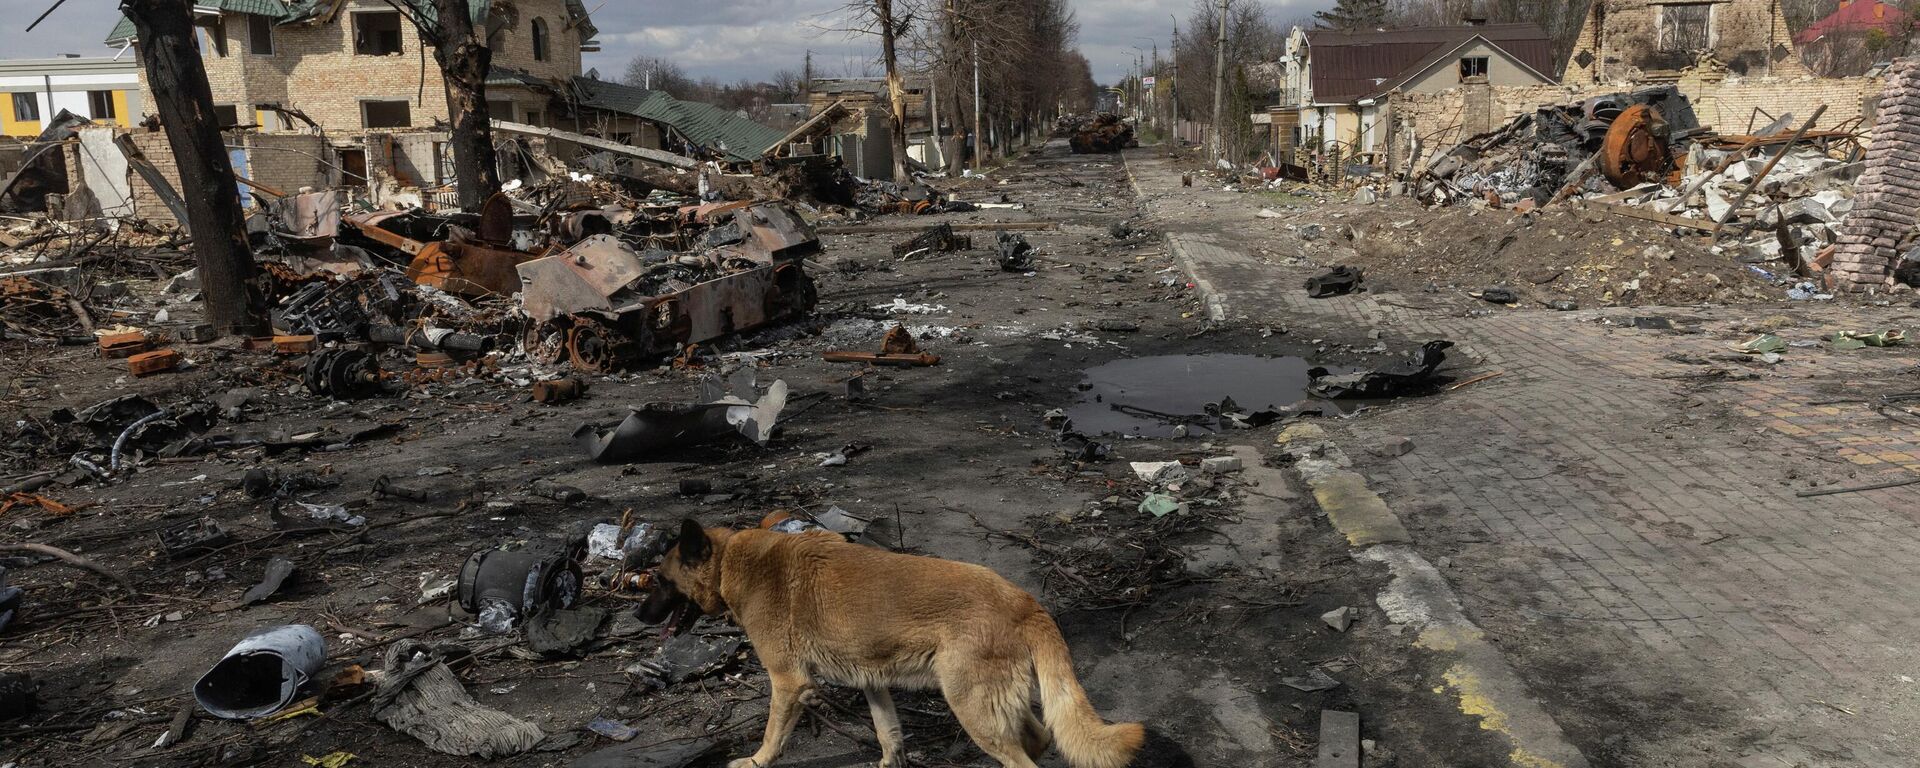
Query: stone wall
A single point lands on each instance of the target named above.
(1888, 192)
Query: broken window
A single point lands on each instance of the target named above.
(353, 167)
(1473, 66)
(1686, 27)
(25, 107)
(210, 35)
(226, 115)
(376, 33)
(539, 39)
(100, 105)
(443, 166)
(535, 118)
(500, 110)
(385, 114)
(260, 35)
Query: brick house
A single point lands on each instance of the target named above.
(1645, 41)
(351, 65)
(1851, 40)
(1334, 85)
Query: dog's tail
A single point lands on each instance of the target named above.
(1085, 740)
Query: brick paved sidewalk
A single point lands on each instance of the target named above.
(1619, 509)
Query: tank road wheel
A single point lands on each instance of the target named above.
(598, 347)
(545, 343)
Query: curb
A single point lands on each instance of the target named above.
(1481, 682)
(1209, 297)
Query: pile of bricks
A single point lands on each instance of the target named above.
(1888, 192)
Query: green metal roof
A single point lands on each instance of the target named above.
(703, 124)
(299, 10)
(498, 76)
(275, 8)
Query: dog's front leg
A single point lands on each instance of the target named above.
(886, 726)
(782, 712)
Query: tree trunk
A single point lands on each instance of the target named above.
(465, 61)
(896, 94)
(236, 303)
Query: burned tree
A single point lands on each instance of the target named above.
(464, 59)
(235, 302)
(896, 93)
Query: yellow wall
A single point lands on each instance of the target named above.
(120, 114)
(10, 125)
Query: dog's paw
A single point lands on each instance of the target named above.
(745, 762)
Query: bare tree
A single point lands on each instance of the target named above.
(657, 74)
(879, 18)
(235, 301)
(1250, 39)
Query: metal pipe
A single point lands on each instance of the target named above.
(120, 443)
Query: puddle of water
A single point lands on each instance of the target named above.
(1149, 390)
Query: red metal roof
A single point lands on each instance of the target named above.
(1353, 65)
(1855, 16)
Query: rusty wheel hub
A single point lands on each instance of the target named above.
(1635, 149)
(597, 347)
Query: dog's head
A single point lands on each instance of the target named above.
(687, 584)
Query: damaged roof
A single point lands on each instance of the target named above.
(289, 12)
(1354, 65)
(706, 125)
(1856, 16)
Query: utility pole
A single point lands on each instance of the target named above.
(979, 139)
(896, 95)
(1173, 83)
(939, 148)
(236, 303)
(1219, 81)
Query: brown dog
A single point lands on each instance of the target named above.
(817, 607)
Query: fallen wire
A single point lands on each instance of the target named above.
(73, 560)
(1857, 488)
(1476, 380)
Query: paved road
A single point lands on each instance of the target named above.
(1618, 509)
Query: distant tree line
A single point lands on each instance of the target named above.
(1029, 69)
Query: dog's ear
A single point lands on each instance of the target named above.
(694, 546)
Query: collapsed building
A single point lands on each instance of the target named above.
(1696, 116)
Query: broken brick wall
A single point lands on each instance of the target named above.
(146, 203)
(1723, 103)
(286, 162)
(1629, 40)
(314, 68)
(1888, 192)
(1734, 105)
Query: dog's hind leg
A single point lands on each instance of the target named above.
(1035, 737)
(783, 710)
(993, 707)
(886, 726)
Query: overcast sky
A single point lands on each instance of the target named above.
(727, 39)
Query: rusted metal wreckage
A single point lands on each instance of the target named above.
(602, 303)
(601, 285)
